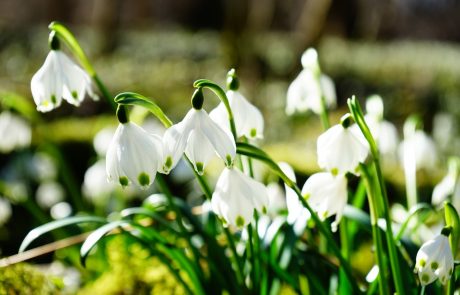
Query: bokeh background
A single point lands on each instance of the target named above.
(407, 51)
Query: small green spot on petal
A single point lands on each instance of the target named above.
(53, 99)
(306, 196)
(74, 94)
(422, 262)
(144, 179)
(264, 210)
(168, 163)
(229, 160)
(425, 278)
(199, 168)
(123, 180)
(335, 171)
(239, 221)
(434, 265)
(253, 132)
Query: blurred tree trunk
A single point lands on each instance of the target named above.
(311, 22)
(106, 19)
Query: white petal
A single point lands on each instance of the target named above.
(328, 90)
(220, 116)
(75, 80)
(175, 140)
(326, 193)
(221, 140)
(46, 84)
(134, 154)
(199, 150)
(236, 196)
(339, 150)
(248, 119)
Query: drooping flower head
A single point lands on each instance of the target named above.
(449, 184)
(59, 78)
(340, 150)
(308, 88)
(249, 121)
(134, 155)
(434, 259)
(236, 196)
(327, 194)
(200, 138)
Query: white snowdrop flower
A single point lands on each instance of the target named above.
(374, 106)
(276, 199)
(419, 147)
(309, 60)
(236, 196)
(445, 126)
(305, 93)
(102, 140)
(59, 78)
(449, 184)
(49, 194)
(61, 210)
(434, 260)
(5, 211)
(298, 215)
(339, 149)
(134, 156)
(327, 194)
(249, 121)
(95, 184)
(200, 137)
(15, 132)
(309, 86)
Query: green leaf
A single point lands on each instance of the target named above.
(96, 236)
(131, 98)
(22, 105)
(452, 219)
(43, 229)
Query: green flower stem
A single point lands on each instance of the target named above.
(380, 192)
(203, 83)
(254, 239)
(324, 114)
(410, 169)
(131, 98)
(256, 153)
(64, 34)
(453, 220)
(376, 236)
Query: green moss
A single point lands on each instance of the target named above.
(131, 271)
(25, 279)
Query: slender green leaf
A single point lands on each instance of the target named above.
(452, 219)
(43, 229)
(131, 98)
(96, 236)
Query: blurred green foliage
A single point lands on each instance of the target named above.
(26, 279)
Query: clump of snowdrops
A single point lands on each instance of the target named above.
(239, 242)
